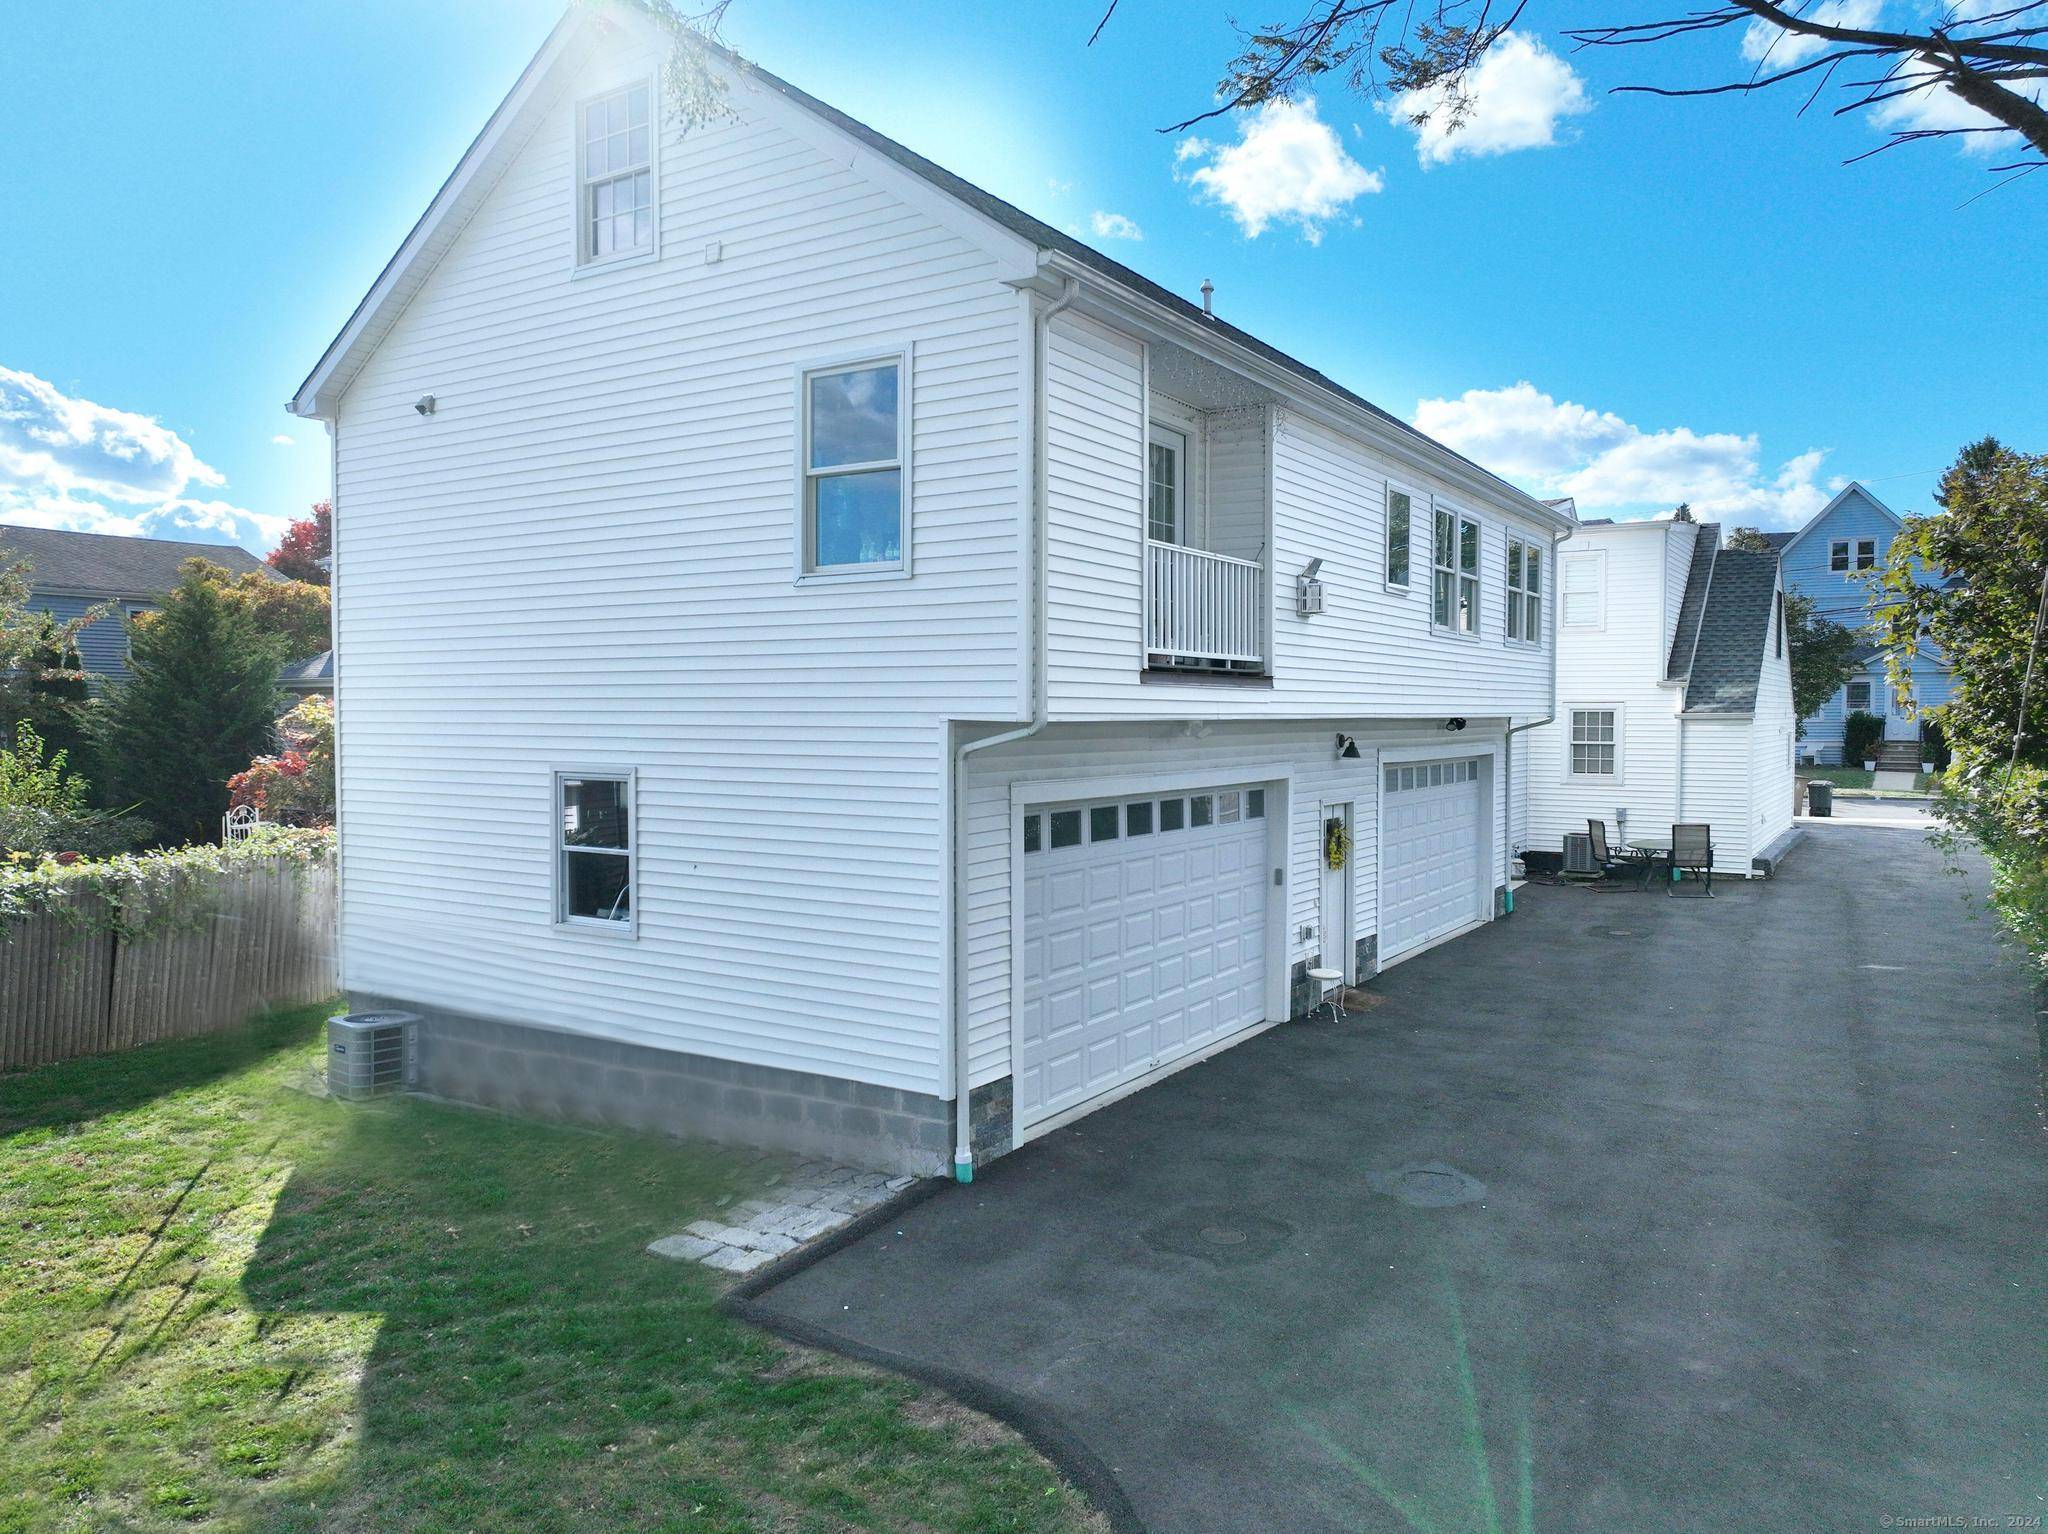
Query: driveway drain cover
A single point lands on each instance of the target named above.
(1228, 1234)
(1427, 1185)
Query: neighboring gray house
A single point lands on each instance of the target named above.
(306, 678)
(76, 572)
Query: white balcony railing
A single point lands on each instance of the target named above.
(1203, 607)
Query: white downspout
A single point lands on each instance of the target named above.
(1035, 648)
(1508, 753)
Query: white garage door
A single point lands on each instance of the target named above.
(1144, 939)
(1431, 881)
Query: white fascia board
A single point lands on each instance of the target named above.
(318, 396)
(1119, 305)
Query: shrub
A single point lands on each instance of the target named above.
(146, 893)
(295, 787)
(44, 807)
(1860, 734)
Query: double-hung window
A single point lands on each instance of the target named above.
(1838, 554)
(1866, 553)
(853, 450)
(594, 849)
(1456, 597)
(1595, 751)
(1525, 591)
(1858, 697)
(1400, 518)
(616, 176)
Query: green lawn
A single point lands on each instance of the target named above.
(230, 1304)
(1856, 777)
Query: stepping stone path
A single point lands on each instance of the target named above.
(812, 1199)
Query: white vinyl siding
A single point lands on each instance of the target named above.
(612, 472)
(1371, 653)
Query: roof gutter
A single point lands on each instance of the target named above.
(1408, 446)
(1035, 658)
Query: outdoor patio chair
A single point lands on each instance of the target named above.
(1596, 832)
(1692, 849)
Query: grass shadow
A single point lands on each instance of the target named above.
(96, 1086)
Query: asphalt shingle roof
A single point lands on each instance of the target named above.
(109, 565)
(1698, 579)
(1728, 660)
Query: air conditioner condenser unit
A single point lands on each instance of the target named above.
(1579, 862)
(371, 1054)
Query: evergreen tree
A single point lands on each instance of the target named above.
(201, 700)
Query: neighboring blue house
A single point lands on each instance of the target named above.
(76, 572)
(1828, 560)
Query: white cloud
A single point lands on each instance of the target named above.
(71, 463)
(1114, 226)
(1287, 165)
(1607, 464)
(1770, 45)
(1937, 107)
(282, 440)
(1514, 99)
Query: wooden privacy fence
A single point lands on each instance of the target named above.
(264, 937)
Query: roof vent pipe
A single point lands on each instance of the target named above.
(1208, 297)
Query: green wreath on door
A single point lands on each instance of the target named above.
(1336, 842)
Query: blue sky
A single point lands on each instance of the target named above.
(1625, 298)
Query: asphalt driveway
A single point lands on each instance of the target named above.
(1751, 1236)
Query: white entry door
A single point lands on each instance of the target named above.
(1431, 841)
(1900, 722)
(1337, 950)
(1144, 939)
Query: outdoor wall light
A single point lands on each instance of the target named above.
(1347, 749)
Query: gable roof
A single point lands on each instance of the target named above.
(1735, 629)
(1854, 488)
(110, 565)
(502, 136)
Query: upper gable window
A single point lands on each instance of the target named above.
(616, 176)
(1866, 553)
(853, 452)
(1838, 554)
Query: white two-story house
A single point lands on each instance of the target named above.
(914, 680)
(1674, 699)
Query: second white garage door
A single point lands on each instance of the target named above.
(1144, 939)
(1431, 881)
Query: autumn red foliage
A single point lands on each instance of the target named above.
(305, 545)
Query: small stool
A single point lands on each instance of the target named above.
(1332, 983)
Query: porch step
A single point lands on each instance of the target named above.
(1899, 755)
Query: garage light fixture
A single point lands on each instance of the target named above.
(1347, 749)
(1454, 725)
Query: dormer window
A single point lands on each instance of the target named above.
(616, 176)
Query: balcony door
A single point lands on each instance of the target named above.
(1166, 485)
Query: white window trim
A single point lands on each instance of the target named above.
(1848, 556)
(1514, 598)
(902, 356)
(1597, 558)
(582, 264)
(1620, 737)
(1849, 704)
(1417, 500)
(558, 892)
(1856, 555)
(1182, 439)
(1478, 576)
